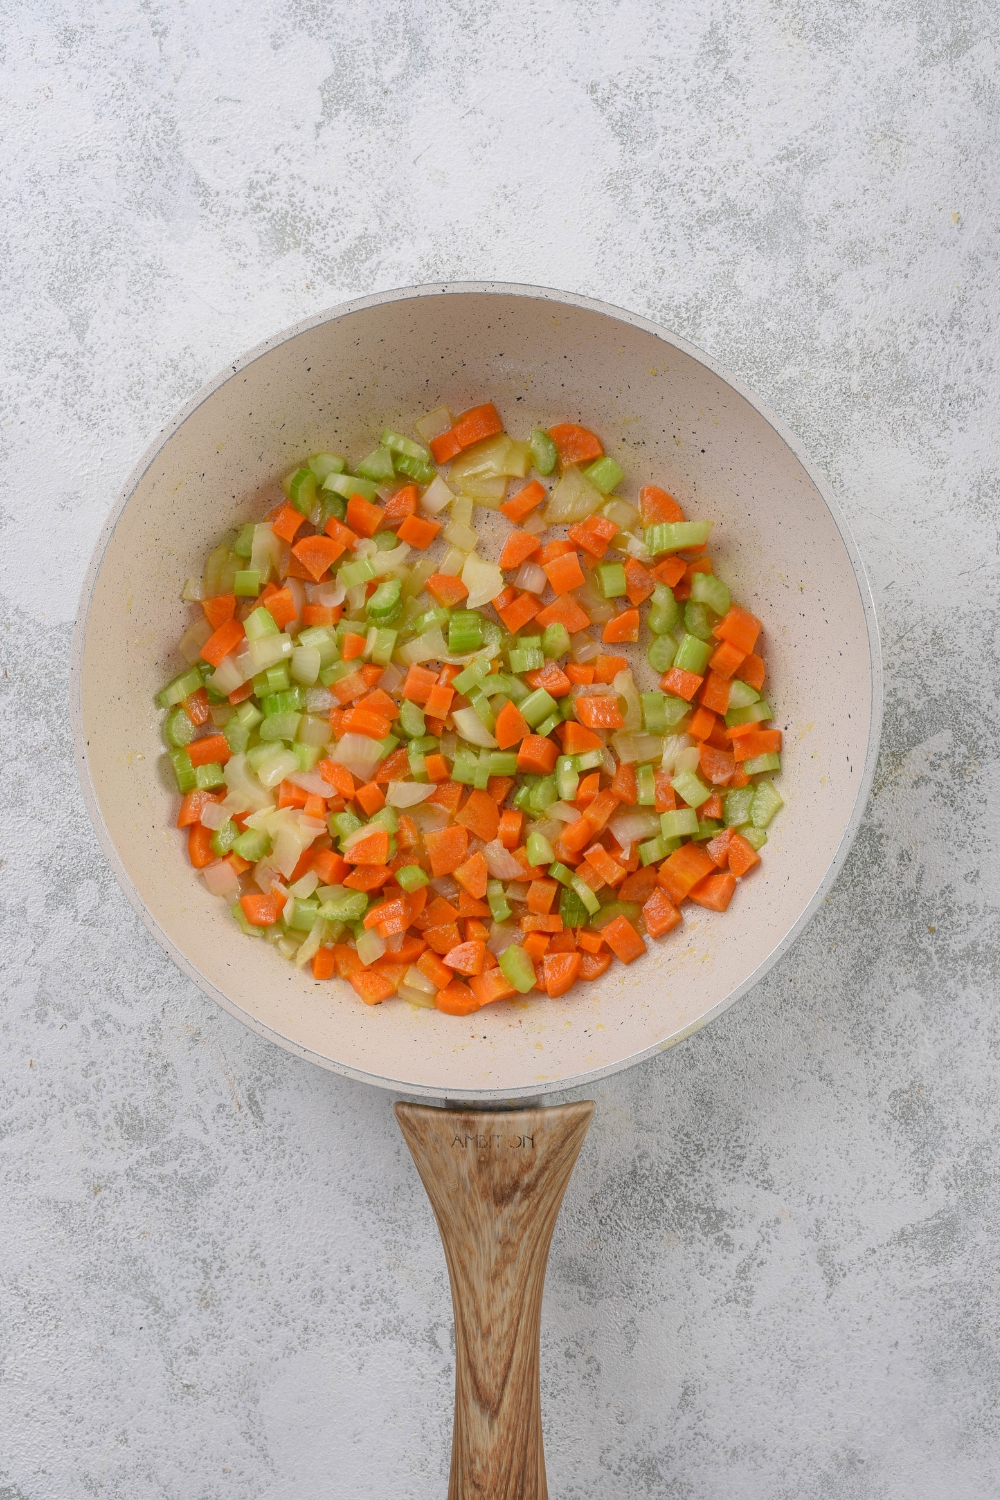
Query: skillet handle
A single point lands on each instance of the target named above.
(496, 1180)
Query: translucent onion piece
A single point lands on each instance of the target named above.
(305, 664)
(628, 699)
(446, 887)
(312, 783)
(408, 793)
(221, 879)
(599, 609)
(534, 525)
(484, 581)
(391, 561)
(391, 679)
(435, 424)
(673, 746)
(453, 562)
(269, 650)
(584, 648)
(517, 891)
(244, 792)
(501, 937)
(472, 729)
(436, 496)
(358, 753)
(312, 943)
(431, 646)
(531, 577)
(304, 888)
(500, 862)
(632, 749)
(329, 595)
(417, 980)
(414, 996)
(277, 768)
(563, 812)
(462, 536)
(287, 850)
(370, 946)
(193, 592)
(296, 588)
(214, 815)
(193, 639)
(574, 498)
(635, 824)
(429, 817)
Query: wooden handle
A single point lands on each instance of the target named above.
(495, 1181)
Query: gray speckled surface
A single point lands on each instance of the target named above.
(775, 1274)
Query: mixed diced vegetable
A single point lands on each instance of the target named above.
(442, 777)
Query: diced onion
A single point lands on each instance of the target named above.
(574, 498)
(297, 589)
(584, 648)
(277, 767)
(228, 675)
(311, 945)
(287, 850)
(472, 729)
(414, 996)
(484, 581)
(501, 937)
(453, 562)
(311, 782)
(517, 891)
(392, 560)
(214, 815)
(418, 980)
(500, 862)
(436, 496)
(563, 812)
(193, 592)
(269, 650)
(632, 749)
(531, 577)
(675, 746)
(408, 793)
(304, 887)
(329, 595)
(245, 792)
(429, 817)
(435, 424)
(636, 823)
(628, 697)
(358, 753)
(221, 879)
(462, 536)
(431, 646)
(194, 638)
(534, 525)
(370, 946)
(305, 664)
(390, 680)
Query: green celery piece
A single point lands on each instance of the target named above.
(525, 661)
(544, 453)
(741, 694)
(481, 707)
(252, 844)
(755, 837)
(388, 745)
(567, 708)
(324, 464)
(543, 794)
(430, 617)
(651, 851)
(588, 760)
(292, 701)
(385, 645)
(284, 726)
(259, 755)
(395, 442)
(307, 755)
(386, 541)
(692, 655)
(178, 731)
(572, 909)
(664, 611)
(481, 780)
(698, 621)
(583, 893)
(497, 899)
(183, 770)
(660, 653)
(503, 763)
(465, 632)
(411, 877)
(386, 604)
(754, 713)
(351, 484)
(515, 689)
(246, 584)
(654, 712)
(259, 623)
(224, 838)
(555, 641)
(411, 719)
(522, 797)
(537, 706)
(539, 850)
(646, 784)
(707, 829)
(237, 735)
(611, 579)
(529, 642)
(377, 466)
(350, 907)
(465, 767)
(427, 744)
(353, 573)
(675, 536)
(494, 635)
(341, 824)
(558, 871)
(546, 727)
(417, 762)
(302, 490)
(678, 823)
(207, 778)
(275, 679)
(387, 817)
(243, 545)
(495, 686)
(180, 688)
(471, 676)
(215, 695)
(567, 778)
(758, 763)
(414, 468)
(629, 909)
(707, 589)
(331, 505)
(239, 917)
(738, 806)
(691, 788)
(517, 968)
(604, 474)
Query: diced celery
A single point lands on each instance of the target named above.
(691, 788)
(395, 442)
(544, 453)
(660, 654)
(377, 466)
(758, 763)
(707, 828)
(646, 785)
(572, 909)
(438, 616)
(604, 474)
(246, 584)
(503, 763)
(537, 706)
(539, 849)
(651, 851)
(673, 536)
(388, 745)
(183, 770)
(698, 620)
(465, 632)
(237, 735)
(387, 818)
(481, 780)
(385, 645)
(252, 844)
(276, 679)
(525, 661)
(414, 468)
(555, 641)
(707, 589)
(411, 719)
(260, 622)
(664, 611)
(517, 968)
(180, 688)
(567, 778)
(560, 872)
(546, 727)
(280, 703)
(692, 655)
(589, 760)
(239, 917)
(411, 877)
(283, 726)
(224, 838)
(654, 715)
(472, 675)
(302, 490)
(481, 707)
(611, 579)
(497, 899)
(324, 464)
(678, 823)
(543, 794)
(738, 805)
(178, 730)
(353, 573)
(243, 545)
(584, 894)
(349, 907)
(766, 802)
(741, 694)
(331, 505)
(306, 754)
(207, 778)
(754, 713)
(341, 824)
(386, 604)
(417, 762)
(465, 766)
(522, 797)
(351, 484)
(427, 744)
(755, 837)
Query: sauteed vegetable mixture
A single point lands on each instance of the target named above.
(437, 776)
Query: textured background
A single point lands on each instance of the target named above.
(776, 1272)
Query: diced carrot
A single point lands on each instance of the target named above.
(480, 816)
(639, 885)
(715, 693)
(590, 942)
(363, 518)
(196, 707)
(660, 914)
(373, 985)
(370, 798)
(476, 930)
(446, 590)
(241, 693)
(761, 742)
(550, 677)
(560, 972)
(517, 549)
(509, 827)
(407, 833)
(623, 940)
(433, 969)
(575, 835)
(339, 777)
(192, 804)
(682, 684)
(742, 855)
(410, 949)
(624, 627)
(469, 907)
(220, 609)
(351, 647)
(607, 868)
(536, 922)
(511, 727)
(521, 504)
(717, 766)
(656, 505)
(473, 875)
(443, 937)
(393, 910)
(373, 849)
(564, 611)
(436, 768)
(593, 535)
(639, 583)
(579, 673)
(446, 849)
(565, 573)
(670, 571)
(588, 789)
(599, 712)
(683, 869)
(712, 808)
(537, 755)
(606, 668)
(400, 505)
(379, 702)
(329, 866)
(726, 659)
(535, 945)
(666, 798)
(752, 672)
(222, 641)
(439, 701)
(517, 614)
(290, 795)
(447, 794)
(553, 549)
(419, 683)
(703, 721)
(491, 986)
(418, 531)
(213, 748)
(717, 848)
(281, 607)
(200, 851)
(321, 614)
(323, 963)
(445, 447)
(456, 999)
(477, 423)
(593, 965)
(367, 877)
(575, 445)
(286, 522)
(466, 958)
(316, 554)
(600, 810)
(739, 627)
(624, 785)
(393, 768)
(576, 739)
(714, 892)
(359, 720)
(541, 895)
(499, 787)
(260, 911)
(344, 538)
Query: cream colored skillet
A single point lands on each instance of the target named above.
(671, 417)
